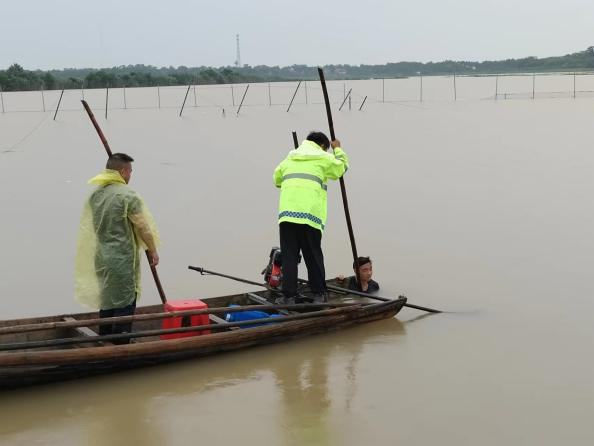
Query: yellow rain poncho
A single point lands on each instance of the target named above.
(114, 227)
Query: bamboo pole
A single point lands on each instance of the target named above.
(42, 99)
(146, 333)
(109, 153)
(345, 202)
(345, 98)
(58, 106)
(242, 99)
(363, 103)
(27, 328)
(374, 297)
(186, 97)
(2, 99)
(106, 101)
(293, 98)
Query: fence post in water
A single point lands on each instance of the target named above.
(350, 102)
(344, 90)
(269, 96)
(455, 93)
(293, 98)
(383, 90)
(42, 97)
(421, 88)
(345, 98)
(533, 83)
(185, 97)
(195, 101)
(82, 89)
(58, 106)
(363, 103)
(106, 100)
(242, 99)
(159, 96)
(125, 105)
(496, 85)
(2, 99)
(232, 96)
(305, 88)
(573, 85)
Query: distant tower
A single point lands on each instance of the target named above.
(238, 57)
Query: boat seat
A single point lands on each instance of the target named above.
(84, 331)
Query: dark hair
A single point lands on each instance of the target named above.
(118, 160)
(320, 139)
(360, 262)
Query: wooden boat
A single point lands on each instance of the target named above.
(46, 349)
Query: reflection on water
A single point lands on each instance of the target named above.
(140, 407)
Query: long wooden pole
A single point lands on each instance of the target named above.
(242, 99)
(342, 185)
(293, 98)
(146, 333)
(165, 315)
(185, 97)
(109, 153)
(373, 296)
(58, 106)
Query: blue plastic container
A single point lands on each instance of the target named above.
(247, 316)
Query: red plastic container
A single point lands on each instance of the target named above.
(185, 321)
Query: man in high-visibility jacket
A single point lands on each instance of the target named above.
(302, 177)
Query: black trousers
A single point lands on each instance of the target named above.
(295, 238)
(125, 327)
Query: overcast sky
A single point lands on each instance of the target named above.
(101, 33)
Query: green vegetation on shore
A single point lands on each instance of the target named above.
(16, 78)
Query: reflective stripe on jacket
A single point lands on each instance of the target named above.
(302, 177)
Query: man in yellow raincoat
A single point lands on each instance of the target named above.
(302, 178)
(115, 225)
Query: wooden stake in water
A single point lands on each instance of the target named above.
(125, 105)
(185, 97)
(383, 89)
(421, 91)
(269, 96)
(350, 102)
(533, 83)
(293, 98)
(573, 85)
(305, 88)
(242, 99)
(58, 106)
(232, 96)
(455, 94)
(496, 86)
(82, 89)
(363, 103)
(195, 100)
(345, 98)
(106, 100)
(159, 96)
(42, 98)
(2, 99)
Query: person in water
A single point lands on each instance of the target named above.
(368, 285)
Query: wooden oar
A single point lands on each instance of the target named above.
(25, 328)
(146, 333)
(342, 185)
(372, 296)
(109, 153)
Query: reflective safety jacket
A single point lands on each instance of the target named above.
(302, 177)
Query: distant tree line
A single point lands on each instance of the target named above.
(16, 78)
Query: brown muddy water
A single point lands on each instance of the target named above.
(479, 207)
